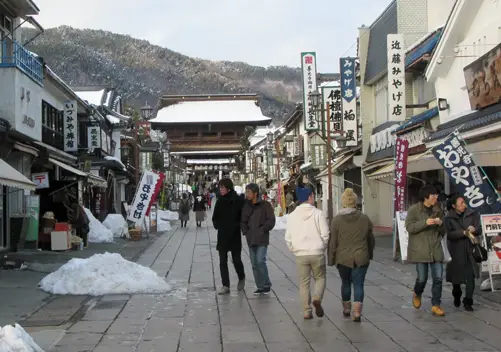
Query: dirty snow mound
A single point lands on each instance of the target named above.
(98, 232)
(168, 215)
(16, 339)
(103, 274)
(116, 224)
(280, 223)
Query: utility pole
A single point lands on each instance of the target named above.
(330, 213)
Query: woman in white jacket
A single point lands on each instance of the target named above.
(307, 236)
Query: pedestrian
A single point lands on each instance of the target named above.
(199, 209)
(351, 248)
(307, 236)
(226, 220)
(463, 228)
(184, 210)
(425, 227)
(208, 198)
(258, 219)
(289, 202)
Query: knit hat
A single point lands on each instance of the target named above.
(349, 198)
(303, 194)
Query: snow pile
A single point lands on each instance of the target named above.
(98, 232)
(103, 274)
(280, 223)
(16, 339)
(168, 215)
(117, 225)
(163, 225)
(111, 158)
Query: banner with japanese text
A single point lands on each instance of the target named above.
(143, 196)
(158, 186)
(396, 77)
(309, 76)
(401, 155)
(70, 124)
(491, 228)
(347, 68)
(331, 99)
(468, 178)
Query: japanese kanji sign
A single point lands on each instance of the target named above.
(309, 76)
(318, 156)
(401, 154)
(70, 126)
(331, 98)
(93, 137)
(142, 199)
(491, 227)
(396, 77)
(467, 178)
(349, 100)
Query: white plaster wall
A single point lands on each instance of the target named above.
(438, 11)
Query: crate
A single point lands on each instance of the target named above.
(135, 234)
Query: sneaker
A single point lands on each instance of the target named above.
(437, 311)
(241, 284)
(224, 290)
(416, 301)
(259, 291)
(266, 291)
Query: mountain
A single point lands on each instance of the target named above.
(143, 72)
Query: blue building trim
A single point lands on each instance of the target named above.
(422, 49)
(23, 60)
(418, 119)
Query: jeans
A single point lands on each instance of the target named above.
(259, 268)
(307, 265)
(352, 276)
(437, 272)
(236, 256)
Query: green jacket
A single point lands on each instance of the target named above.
(424, 241)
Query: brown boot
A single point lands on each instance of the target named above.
(357, 311)
(347, 309)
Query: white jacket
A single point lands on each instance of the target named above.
(307, 231)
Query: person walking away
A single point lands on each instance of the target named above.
(425, 227)
(208, 197)
(463, 228)
(289, 202)
(258, 219)
(307, 236)
(199, 209)
(184, 210)
(351, 247)
(226, 220)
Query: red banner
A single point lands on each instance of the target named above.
(401, 154)
(158, 186)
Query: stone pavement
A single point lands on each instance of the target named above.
(193, 318)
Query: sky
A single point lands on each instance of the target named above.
(259, 32)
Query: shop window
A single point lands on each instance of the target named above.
(17, 202)
(52, 126)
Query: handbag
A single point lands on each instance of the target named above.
(479, 253)
(445, 250)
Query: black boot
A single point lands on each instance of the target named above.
(457, 293)
(468, 303)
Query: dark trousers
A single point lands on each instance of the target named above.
(184, 223)
(352, 277)
(469, 283)
(236, 256)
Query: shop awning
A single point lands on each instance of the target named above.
(337, 163)
(97, 181)
(415, 163)
(68, 168)
(10, 177)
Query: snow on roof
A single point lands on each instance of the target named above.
(113, 120)
(108, 98)
(93, 97)
(210, 161)
(330, 84)
(208, 152)
(211, 111)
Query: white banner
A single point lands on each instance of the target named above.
(331, 98)
(347, 67)
(93, 137)
(70, 126)
(396, 77)
(309, 76)
(248, 165)
(142, 199)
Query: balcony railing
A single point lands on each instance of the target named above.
(14, 54)
(53, 138)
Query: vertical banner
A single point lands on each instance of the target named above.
(248, 162)
(70, 126)
(396, 76)
(142, 198)
(331, 99)
(401, 154)
(491, 228)
(466, 176)
(158, 186)
(93, 137)
(309, 76)
(347, 67)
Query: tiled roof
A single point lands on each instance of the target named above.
(417, 119)
(426, 47)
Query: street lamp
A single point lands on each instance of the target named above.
(167, 146)
(269, 137)
(316, 100)
(340, 141)
(146, 112)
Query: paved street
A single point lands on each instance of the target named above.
(193, 318)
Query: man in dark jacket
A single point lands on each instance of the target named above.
(226, 220)
(258, 219)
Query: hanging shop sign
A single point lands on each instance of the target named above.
(491, 228)
(401, 154)
(396, 76)
(318, 156)
(93, 137)
(142, 198)
(105, 142)
(41, 180)
(415, 137)
(70, 126)
(248, 162)
(331, 98)
(309, 76)
(347, 67)
(383, 139)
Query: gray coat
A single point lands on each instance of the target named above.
(184, 216)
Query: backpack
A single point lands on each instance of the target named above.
(185, 207)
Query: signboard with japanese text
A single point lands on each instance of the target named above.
(93, 137)
(401, 154)
(396, 76)
(309, 76)
(331, 99)
(491, 231)
(41, 180)
(468, 178)
(142, 199)
(70, 126)
(296, 147)
(318, 156)
(105, 141)
(347, 67)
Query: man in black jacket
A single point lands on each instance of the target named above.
(226, 220)
(258, 219)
